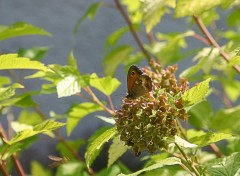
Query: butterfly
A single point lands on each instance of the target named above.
(138, 83)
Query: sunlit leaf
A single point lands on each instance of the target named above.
(4, 80)
(159, 164)
(109, 120)
(76, 113)
(34, 120)
(116, 150)
(68, 86)
(12, 61)
(106, 85)
(9, 91)
(115, 57)
(43, 127)
(225, 166)
(202, 139)
(95, 146)
(183, 143)
(21, 29)
(90, 14)
(196, 93)
(152, 12)
(195, 7)
(37, 169)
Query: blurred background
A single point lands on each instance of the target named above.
(59, 17)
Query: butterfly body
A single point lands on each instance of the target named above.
(138, 82)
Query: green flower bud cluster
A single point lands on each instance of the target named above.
(148, 122)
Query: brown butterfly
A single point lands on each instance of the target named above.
(138, 82)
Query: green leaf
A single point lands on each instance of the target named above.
(234, 61)
(68, 86)
(34, 120)
(181, 142)
(76, 145)
(109, 120)
(35, 53)
(25, 101)
(21, 29)
(199, 120)
(133, 7)
(76, 113)
(225, 166)
(72, 62)
(116, 150)
(4, 80)
(95, 146)
(202, 139)
(106, 85)
(168, 49)
(116, 57)
(12, 61)
(159, 164)
(226, 119)
(72, 169)
(233, 18)
(38, 170)
(196, 93)
(231, 88)
(43, 127)
(90, 14)
(6, 151)
(115, 36)
(9, 91)
(195, 7)
(152, 13)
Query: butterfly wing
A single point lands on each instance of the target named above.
(138, 82)
(142, 86)
(133, 73)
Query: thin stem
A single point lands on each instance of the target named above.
(96, 100)
(187, 160)
(199, 37)
(150, 37)
(216, 150)
(110, 102)
(15, 160)
(3, 168)
(186, 168)
(73, 152)
(134, 33)
(212, 41)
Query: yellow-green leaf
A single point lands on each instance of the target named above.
(165, 162)
(21, 29)
(196, 93)
(106, 85)
(12, 61)
(116, 150)
(96, 145)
